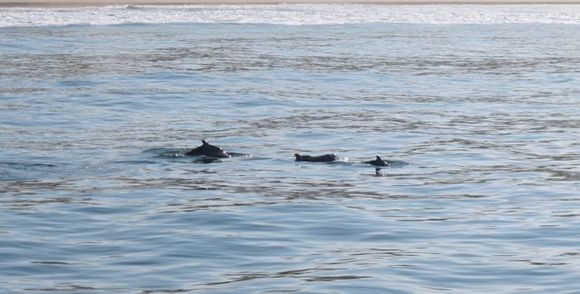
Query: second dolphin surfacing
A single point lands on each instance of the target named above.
(320, 158)
(206, 149)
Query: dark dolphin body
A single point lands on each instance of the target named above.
(321, 158)
(206, 149)
(378, 162)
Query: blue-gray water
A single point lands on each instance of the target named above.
(95, 197)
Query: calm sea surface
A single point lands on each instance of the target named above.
(482, 119)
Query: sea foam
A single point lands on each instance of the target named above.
(291, 14)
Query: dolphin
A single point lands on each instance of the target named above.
(378, 162)
(320, 158)
(206, 149)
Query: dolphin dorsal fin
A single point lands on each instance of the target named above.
(204, 142)
(379, 158)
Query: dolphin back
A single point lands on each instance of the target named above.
(209, 150)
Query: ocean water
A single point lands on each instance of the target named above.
(478, 106)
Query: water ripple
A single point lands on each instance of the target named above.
(480, 121)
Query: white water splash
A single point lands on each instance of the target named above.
(292, 14)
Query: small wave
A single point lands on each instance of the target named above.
(238, 154)
(134, 7)
(10, 171)
(167, 152)
(397, 163)
(136, 162)
(26, 165)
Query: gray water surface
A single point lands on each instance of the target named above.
(96, 196)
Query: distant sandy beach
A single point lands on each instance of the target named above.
(47, 3)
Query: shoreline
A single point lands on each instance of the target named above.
(81, 3)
